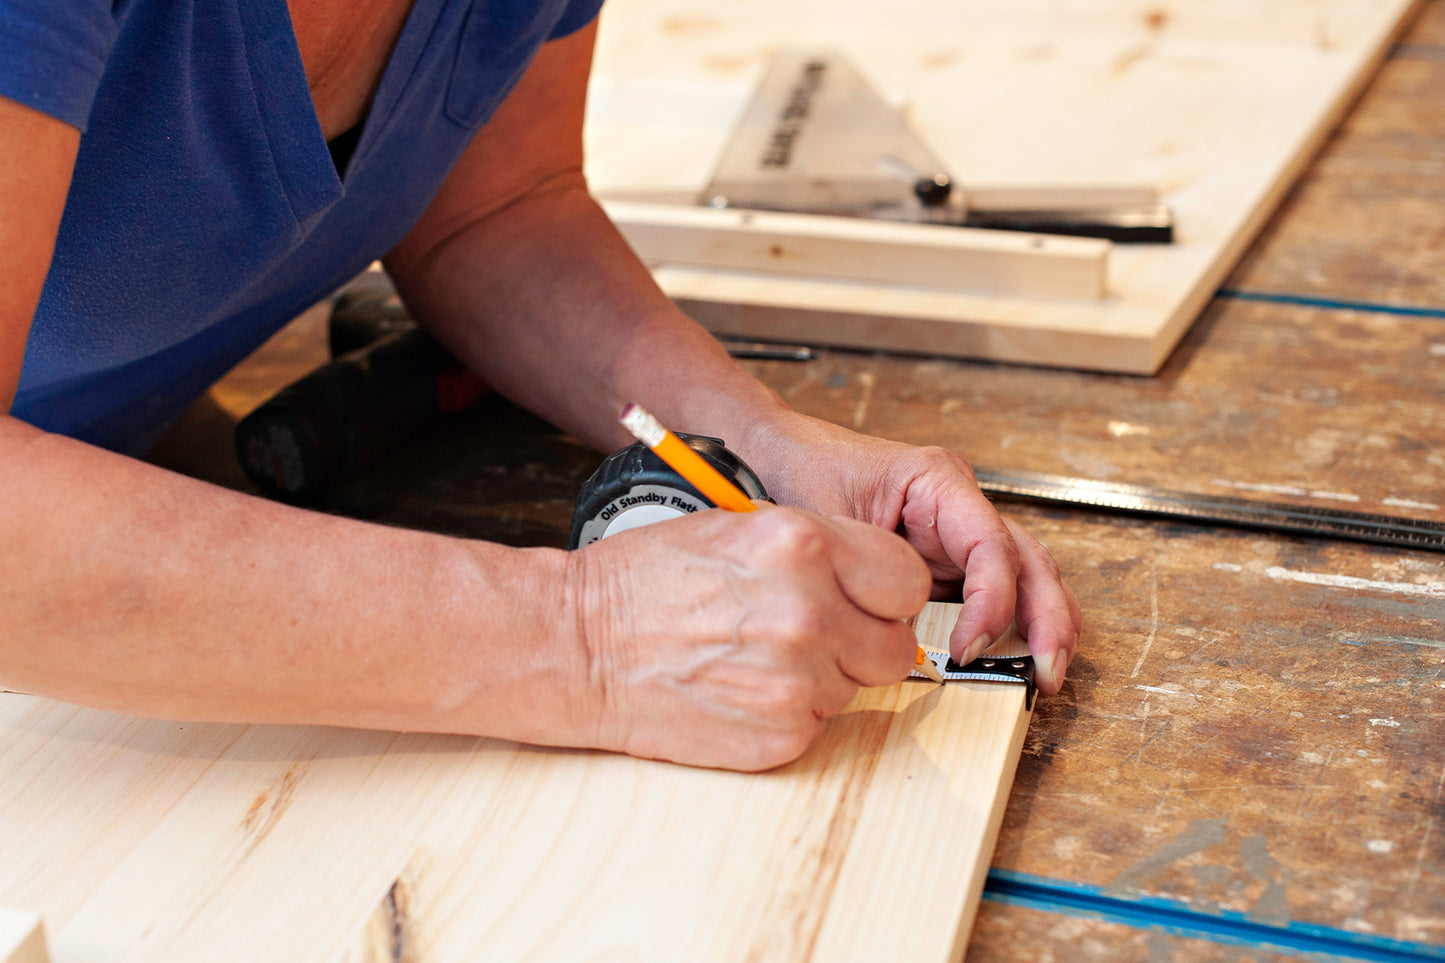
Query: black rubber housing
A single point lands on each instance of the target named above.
(636, 465)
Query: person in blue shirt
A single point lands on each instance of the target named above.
(179, 178)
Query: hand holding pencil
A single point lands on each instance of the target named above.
(730, 638)
(711, 483)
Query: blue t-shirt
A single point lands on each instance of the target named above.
(205, 209)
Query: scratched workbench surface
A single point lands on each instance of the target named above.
(1248, 760)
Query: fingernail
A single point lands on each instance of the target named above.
(976, 648)
(1061, 665)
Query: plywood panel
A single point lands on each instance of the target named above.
(1218, 104)
(160, 840)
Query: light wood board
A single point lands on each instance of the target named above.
(22, 937)
(998, 262)
(139, 839)
(1219, 103)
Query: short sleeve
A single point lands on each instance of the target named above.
(579, 14)
(53, 53)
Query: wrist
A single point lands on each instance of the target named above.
(517, 667)
(594, 598)
(790, 453)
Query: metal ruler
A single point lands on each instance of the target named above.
(817, 138)
(1215, 509)
(1008, 669)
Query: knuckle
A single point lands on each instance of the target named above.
(1011, 552)
(1050, 565)
(784, 692)
(798, 619)
(938, 457)
(1077, 624)
(795, 535)
(806, 622)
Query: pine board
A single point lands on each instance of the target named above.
(141, 839)
(22, 938)
(1000, 262)
(1219, 104)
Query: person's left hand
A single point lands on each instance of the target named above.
(931, 498)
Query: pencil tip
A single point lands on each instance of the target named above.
(925, 666)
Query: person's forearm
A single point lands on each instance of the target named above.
(548, 303)
(127, 587)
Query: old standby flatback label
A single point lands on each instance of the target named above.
(638, 506)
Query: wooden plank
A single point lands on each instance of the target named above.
(928, 255)
(156, 840)
(22, 937)
(874, 846)
(171, 841)
(1219, 105)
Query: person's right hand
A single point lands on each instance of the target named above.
(728, 640)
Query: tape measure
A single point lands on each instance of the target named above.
(633, 487)
(1016, 669)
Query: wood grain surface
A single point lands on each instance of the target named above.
(22, 937)
(1002, 262)
(1254, 725)
(859, 852)
(143, 839)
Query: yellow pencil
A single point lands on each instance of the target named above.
(680, 458)
(705, 478)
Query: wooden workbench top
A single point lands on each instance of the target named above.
(1255, 725)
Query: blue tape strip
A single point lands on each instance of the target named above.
(1156, 913)
(1335, 304)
